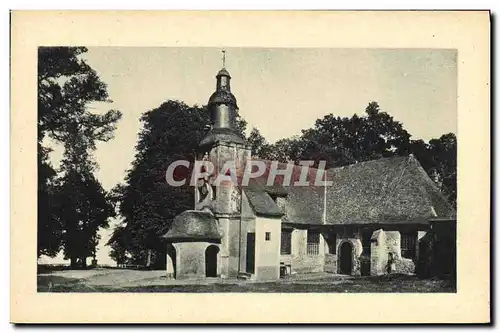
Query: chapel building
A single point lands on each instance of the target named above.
(374, 213)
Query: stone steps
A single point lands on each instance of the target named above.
(244, 276)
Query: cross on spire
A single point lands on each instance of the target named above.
(223, 58)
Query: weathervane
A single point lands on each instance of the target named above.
(223, 58)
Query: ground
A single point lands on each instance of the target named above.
(128, 280)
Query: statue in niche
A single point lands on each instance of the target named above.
(203, 190)
(235, 199)
(204, 187)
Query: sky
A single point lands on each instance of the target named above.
(279, 91)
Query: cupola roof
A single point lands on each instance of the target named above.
(194, 225)
(222, 97)
(223, 72)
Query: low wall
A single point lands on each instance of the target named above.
(378, 264)
(330, 263)
(299, 260)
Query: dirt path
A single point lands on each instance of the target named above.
(108, 277)
(109, 280)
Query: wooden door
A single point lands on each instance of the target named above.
(251, 252)
(346, 258)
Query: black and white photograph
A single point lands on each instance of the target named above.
(375, 127)
(250, 167)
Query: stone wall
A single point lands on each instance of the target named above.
(378, 262)
(227, 197)
(190, 261)
(223, 224)
(404, 266)
(234, 244)
(234, 247)
(357, 250)
(393, 243)
(380, 253)
(330, 263)
(299, 260)
(351, 235)
(382, 243)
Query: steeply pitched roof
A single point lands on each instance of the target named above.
(193, 225)
(262, 203)
(222, 97)
(259, 184)
(304, 205)
(384, 191)
(277, 188)
(388, 190)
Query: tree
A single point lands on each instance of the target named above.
(66, 85)
(49, 225)
(84, 208)
(119, 244)
(439, 160)
(146, 202)
(341, 140)
(78, 204)
(259, 145)
(287, 150)
(444, 156)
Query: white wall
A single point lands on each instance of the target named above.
(267, 253)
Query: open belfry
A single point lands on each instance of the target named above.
(374, 217)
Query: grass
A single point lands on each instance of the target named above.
(370, 284)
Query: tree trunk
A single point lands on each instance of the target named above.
(73, 262)
(83, 262)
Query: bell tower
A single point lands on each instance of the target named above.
(224, 147)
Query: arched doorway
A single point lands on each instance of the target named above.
(211, 261)
(171, 261)
(345, 265)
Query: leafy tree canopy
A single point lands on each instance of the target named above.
(72, 204)
(146, 202)
(342, 141)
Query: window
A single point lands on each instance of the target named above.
(268, 236)
(408, 244)
(366, 242)
(332, 243)
(286, 242)
(312, 242)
